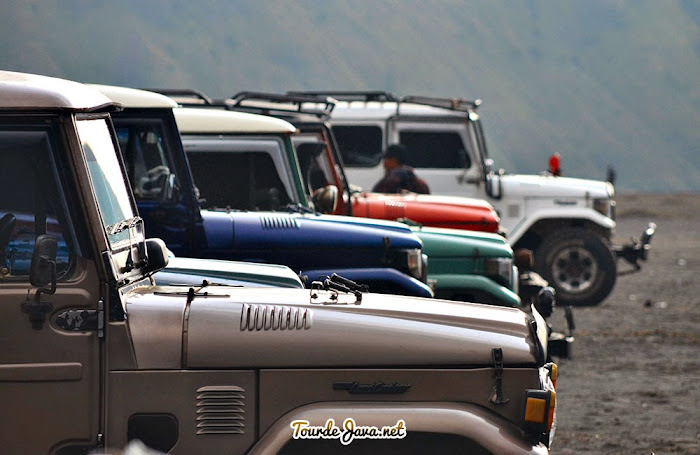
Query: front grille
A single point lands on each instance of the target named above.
(220, 410)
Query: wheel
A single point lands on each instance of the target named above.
(579, 265)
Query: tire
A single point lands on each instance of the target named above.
(579, 265)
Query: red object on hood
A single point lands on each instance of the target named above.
(428, 210)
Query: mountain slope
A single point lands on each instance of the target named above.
(600, 82)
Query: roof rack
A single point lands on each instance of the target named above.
(186, 96)
(454, 104)
(374, 95)
(281, 103)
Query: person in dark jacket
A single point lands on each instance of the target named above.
(397, 176)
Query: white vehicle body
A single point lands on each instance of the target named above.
(521, 200)
(447, 148)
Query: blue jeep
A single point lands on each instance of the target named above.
(385, 256)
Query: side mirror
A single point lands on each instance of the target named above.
(326, 199)
(157, 255)
(42, 272)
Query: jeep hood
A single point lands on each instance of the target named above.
(284, 230)
(456, 243)
(550, 186)
(289, 328)
(440, 211)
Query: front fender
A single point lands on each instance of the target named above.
(472, 422)
(559, 213)
(407, 284)
(475, 282)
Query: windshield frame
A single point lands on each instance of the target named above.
(122, 228)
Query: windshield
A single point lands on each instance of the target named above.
(106, 177)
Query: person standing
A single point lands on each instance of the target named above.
(397, 176)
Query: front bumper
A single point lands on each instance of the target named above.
(637, 249)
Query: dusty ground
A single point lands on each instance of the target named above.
(633, 386)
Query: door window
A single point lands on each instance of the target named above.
(360, 146)
(30, 203)
(440, 150)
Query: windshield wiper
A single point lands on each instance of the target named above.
(298, 208)
(123, 225)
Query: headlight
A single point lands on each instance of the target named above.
(500, 269)
(412, 261)
(605, 207)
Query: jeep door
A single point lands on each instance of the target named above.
(50, 356)
(442, 153)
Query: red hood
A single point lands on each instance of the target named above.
(428, 210)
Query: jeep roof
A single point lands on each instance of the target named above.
(19, 91)
(191, 120)
(135, 98)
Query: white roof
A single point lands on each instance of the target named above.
(386, 109)
(21, 91)
(214, 121)
(134, 98)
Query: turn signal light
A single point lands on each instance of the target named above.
(538, 417)
(553, 373)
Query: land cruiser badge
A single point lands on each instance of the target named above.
(375, 388)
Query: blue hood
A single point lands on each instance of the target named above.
(304, 241)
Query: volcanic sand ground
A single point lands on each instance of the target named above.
(633, 384)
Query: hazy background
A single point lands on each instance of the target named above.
(599, 81)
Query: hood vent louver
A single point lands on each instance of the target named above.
(273, 317)
(275, 222)
(220, 410)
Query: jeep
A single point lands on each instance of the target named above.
(97, 355)
(568, 223)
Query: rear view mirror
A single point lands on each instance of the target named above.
(42, 272)
(326, 199)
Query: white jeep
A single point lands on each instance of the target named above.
(567, 222)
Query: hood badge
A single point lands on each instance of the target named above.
(336, 284)
(375, 388)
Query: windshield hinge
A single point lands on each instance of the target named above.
(497, 394)
(82, 320)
